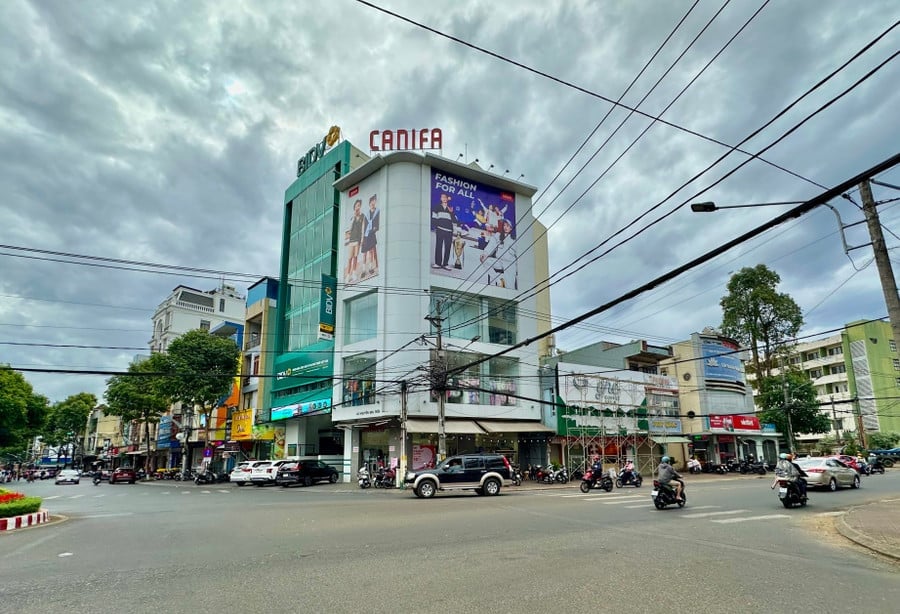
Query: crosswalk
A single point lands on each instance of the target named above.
(707, 513)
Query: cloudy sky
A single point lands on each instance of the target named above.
(166, 132)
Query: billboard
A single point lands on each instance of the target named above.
(721, 360)
(326, 308)
(733, 423)
(361, 222)
(473, 231)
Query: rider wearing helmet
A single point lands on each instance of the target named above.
(787, 469)
(667, 474)
(628, 471)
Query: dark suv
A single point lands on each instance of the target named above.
(484, 473)
(306, 472)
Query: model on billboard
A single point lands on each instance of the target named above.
(370, 240)
(443, 220)
(499, 257)
(353, 236)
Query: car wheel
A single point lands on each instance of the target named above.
(307, 481)
(426, 489)
(257, 483)
(333, 478)
(832, 485)
(131, 482)
(855, 482)
(887, 462)
(112, 481)
(241, 483)
(492, 487)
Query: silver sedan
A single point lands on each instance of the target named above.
(828, 473)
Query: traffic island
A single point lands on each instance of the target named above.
(25, 520)
(875, 526)
(18, 511)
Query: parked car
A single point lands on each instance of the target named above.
(485, 474)
(240, 475)
(123, 474)
(830, 473)
(68, 476)
(266, 472)
(848, 460)
(306, 472)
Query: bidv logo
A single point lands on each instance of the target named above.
(329, 300)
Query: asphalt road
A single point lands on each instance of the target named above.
(171, 547)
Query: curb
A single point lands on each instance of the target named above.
(861, 538)
(27, 520)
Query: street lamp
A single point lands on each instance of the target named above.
(709, 206)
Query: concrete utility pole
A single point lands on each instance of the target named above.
(882, 260)
(401, 469)
(439, 382)
(787, 410)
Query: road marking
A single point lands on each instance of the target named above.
(705, 507)
(52, 497)
(98, 496)
(619, 498)
(634, 507)
(64, 554)
(225, 491)
(620, 501)
(749, 518)
(707, 514)
(205, 492)
(76, 497)
(831, 514)
(187, 492)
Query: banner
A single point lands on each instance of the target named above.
(721, 361)
(735, 423)
(326, 307)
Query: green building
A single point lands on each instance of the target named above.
(873, 370)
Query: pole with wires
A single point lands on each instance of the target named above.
(439, 380)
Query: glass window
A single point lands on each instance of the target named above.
(361, 318)
(204, 324)
(359, 379)
(896, 362)
(892, 344)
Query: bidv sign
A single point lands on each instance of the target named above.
(396, 140)
(313, 155)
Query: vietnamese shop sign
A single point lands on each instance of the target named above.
(735, 423)
(721, 360)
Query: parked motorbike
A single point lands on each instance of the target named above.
(876, 466)
(544, 475)
(789, 494)
(664, 496)
(363, 478)
(516, 475)
(561, 476)
(596, 479)
(97, 478)
(184, 476)
(633, 478)
(746, 467)
(694, 466)
(205, 477)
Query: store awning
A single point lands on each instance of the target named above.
(514, 426)
(663, 440)
(455, 427)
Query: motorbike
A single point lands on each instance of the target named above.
(694, 466)
(633, 479)
(561, 476)
(748, 467)
(663, 496)
(789, 494)
(544, 475)
(363, 478)
(205, 477)
(516, 475)
(876, 466)
(97, 478)
(385, 478)
(596, 479)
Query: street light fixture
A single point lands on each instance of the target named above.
(709, 206)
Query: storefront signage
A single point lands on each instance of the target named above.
(397, 140)
(301, 409)
(314, 154)
(326, 307)
(721, 360)
(664, 425)
(242, 425)
(734, 423)
(304, 367)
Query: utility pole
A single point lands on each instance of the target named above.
(787, 410)
(439, 382)
(834, 421)
(401, 470)
(882, 260)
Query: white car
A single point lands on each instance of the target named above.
(69, 476)
(265, 472)
(240, 475)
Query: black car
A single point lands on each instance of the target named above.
(486, 474)
(306, 472)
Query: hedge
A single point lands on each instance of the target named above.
(18, 507)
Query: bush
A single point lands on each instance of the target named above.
(17, 504)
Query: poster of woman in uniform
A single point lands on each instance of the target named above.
(473, 231)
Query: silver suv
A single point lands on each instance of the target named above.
(486, 474)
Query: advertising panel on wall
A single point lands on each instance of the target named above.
(315, 363)
(473, 231)
(361, 222)
(721, 360)
(242, 425)
(733, 424)
(326, 307)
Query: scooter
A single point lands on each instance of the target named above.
(596, 479)
(561, 476)
(694, 466)
(362, 478)
(385, 478)
(632, 479)
(98, 477)
(664, 495)
(205, 477)
(789, 494)
(516, 475)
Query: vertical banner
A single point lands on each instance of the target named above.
(326, 307)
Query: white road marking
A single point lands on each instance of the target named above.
(62, 554)
(205, 492)
(225, 491)
(52, 497)
(187, 492)
(749, 518)
(98, 496)
(620, 501)
(634, 507)
(76, 497)
(705, 507)
(830, 514)
(708, 514)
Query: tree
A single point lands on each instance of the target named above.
(68, 421)
(806, 415)
(139, 396)
(758, 316)
(200, 369)
(882, 441)
(22, 413)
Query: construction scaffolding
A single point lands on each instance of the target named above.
(617, 417)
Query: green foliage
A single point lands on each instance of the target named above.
(27, 505)
(138, 395)
(68, 419)
(759, 317)
(22, 412)
(882, 441)
(805, 414)
(200, 368)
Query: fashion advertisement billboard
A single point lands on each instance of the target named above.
(721, 360)
(361, 222)
(473, 231)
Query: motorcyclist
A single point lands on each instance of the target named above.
(627, 471)
(667, 475)
(787, 469)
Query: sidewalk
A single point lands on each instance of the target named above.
(875, 526)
